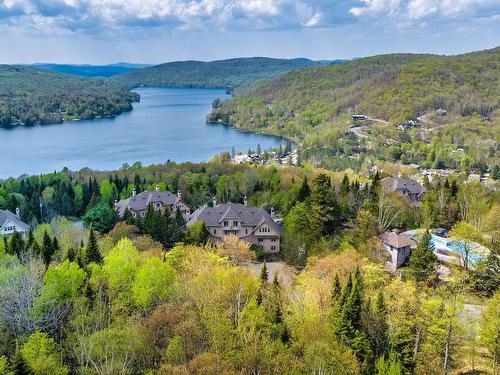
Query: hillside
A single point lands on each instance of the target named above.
(214, 74)
(90, 70)
(31, 96)
(314, 106)
(390, 87)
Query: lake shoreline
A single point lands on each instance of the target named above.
(166, 124)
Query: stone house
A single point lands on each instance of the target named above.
(410, 189)
(10, 223)
(138, 204)
(251, 224)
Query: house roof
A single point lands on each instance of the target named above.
(141, 201)
(6, 215)
(396, 240)
(391, 184)
(251, 216)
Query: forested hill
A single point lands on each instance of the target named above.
(90, 70)
(390, 87)
(214, 74)
(32, 96)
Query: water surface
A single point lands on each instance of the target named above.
(168, 124)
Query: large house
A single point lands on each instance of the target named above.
(399, 246)
(410, 189)
(251, 224)
(10, 223)
(138, 204)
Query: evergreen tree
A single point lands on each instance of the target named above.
(16, 246)
(31, 240)
(92, 253)
(264, 275)
(47, 248)
(324, 211)
(336, 290)
(379, 337)
(304, 191)
(345, 186)
(19, 365)
(178, 227)
(423, 261)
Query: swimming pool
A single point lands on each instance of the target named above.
(452, 251)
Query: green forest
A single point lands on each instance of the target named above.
(226, 74)
(150, 296)
(30, 96)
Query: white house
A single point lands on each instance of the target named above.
(10, 223)
(399, 246)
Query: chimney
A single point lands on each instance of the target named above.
(134, 192)
(245, 200)
(157, 188)
(179, 194)
(18, 215)
(272, 212)
(214, 201)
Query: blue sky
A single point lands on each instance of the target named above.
(155, 31)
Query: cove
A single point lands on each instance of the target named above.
(167, 124)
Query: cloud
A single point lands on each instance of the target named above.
(98, 16)
(406, 13)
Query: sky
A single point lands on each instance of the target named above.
(156, 31)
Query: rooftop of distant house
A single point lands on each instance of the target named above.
(141, 201)
(6, 215)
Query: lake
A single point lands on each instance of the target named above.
(167, 124)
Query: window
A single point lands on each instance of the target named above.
(215, 231)
(157, 205)
(246, 231)
(226, 223)
(261, 240)
(235, 223)
(273, 247)
(274, 239)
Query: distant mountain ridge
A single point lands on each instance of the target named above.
(87, 70)
(229, 73)
(393, 88)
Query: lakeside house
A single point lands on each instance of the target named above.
(138, 204)
(399, 246)
(10, 223)
(410, 189)
(251, 224)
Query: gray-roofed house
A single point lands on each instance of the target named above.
(399, 247)
(138, 204)
(410, 189)
(251, 224)
(10, 223)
